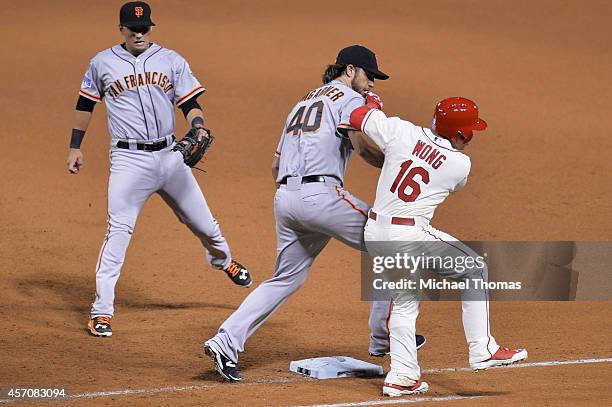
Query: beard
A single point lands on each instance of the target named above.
(356, 87)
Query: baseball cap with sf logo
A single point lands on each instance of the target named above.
(135, 14)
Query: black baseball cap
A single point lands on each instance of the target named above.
(135, 14)
(363, 58)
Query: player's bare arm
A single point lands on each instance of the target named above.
(80, 123)
(366, 149)
(275, 167)
(195, 117)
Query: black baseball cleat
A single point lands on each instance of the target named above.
(238, 274)
(99, 326)
(223, 365)
(420, 342)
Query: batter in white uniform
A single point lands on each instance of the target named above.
(141, 82)
(421, 168)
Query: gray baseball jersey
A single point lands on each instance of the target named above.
(140, 91)
(310, 142)
(308, 215)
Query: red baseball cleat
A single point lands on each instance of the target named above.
(502, 357)
(395, 390)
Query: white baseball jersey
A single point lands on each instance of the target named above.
(140, 91)
(420, 168)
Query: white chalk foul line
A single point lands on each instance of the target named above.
(523, 364)
(169, 389)
(410, 400)
(456, 396)
(177, 389)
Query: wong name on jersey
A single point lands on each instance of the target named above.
(429, 154)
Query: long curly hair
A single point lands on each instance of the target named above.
(332, 72)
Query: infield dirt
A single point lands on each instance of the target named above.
(539, 71)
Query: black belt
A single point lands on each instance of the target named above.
(146, 146)
(310, 178)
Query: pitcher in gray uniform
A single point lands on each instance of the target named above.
(141, 82)
(311, 205)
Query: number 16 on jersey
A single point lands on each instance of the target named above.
(403, 181)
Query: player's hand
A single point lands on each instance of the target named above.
(74, 161)
(373, 100)
(202, 133)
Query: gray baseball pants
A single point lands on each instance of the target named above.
(307, 217)
(134, 176)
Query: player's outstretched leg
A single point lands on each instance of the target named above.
(291, 270)
(183, 194)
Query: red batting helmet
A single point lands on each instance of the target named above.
(455, 116)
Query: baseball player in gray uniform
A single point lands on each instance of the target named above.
(311, 205)
(141, 82)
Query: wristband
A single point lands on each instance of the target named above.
(77, 138)
(197, 121)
